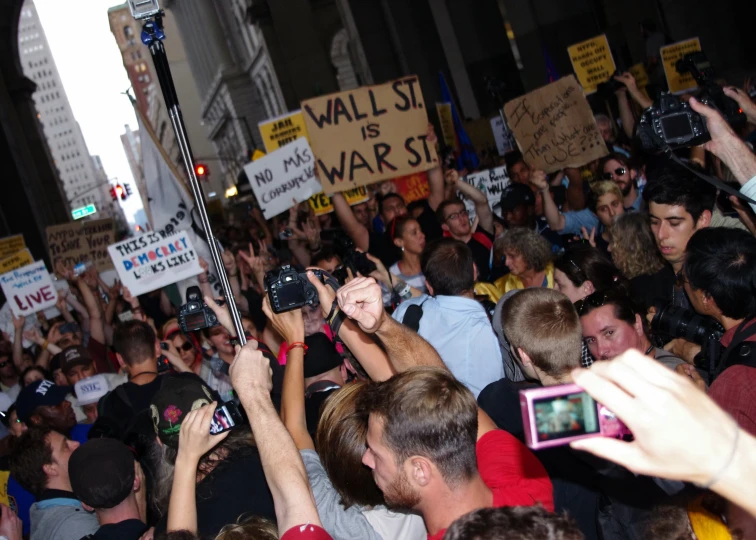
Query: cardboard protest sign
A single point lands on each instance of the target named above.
(11, 244)
(17, 260)
(151, 261)
(554, 127)
(505, 142)
(280, 131)
(282, 176)
(446, 119)
(413, 187)
(492, 182)
(369, 134)
(592, 61)
(321, 203)
(677, 82)
(82, 241)
(29, 289)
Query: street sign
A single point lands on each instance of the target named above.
(84, 211)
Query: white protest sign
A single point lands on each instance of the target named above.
(505, 141)
(151, 261)
(6, 324)
(29, 289)
(492, 182)
(282, 176)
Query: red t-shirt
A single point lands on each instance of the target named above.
(306, 532)
(512, 472)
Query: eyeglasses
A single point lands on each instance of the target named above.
(617, 172)
(591, 301)
(456, 215)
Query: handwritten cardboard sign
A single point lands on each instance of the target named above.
(282, 176)
(369, 134)
(151, 261)
(321, 203)
(592, 61)
(492, 182)
(82, 241)
(554, 127)
(29, 289)
(17, 260)
(282, 130)
(505, 142)
(679, 83)
(11, 244)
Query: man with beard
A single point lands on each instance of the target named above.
(616, 168)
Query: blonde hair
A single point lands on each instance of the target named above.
(251, 528)
(601, 188)
(634, 250)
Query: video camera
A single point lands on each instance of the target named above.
(195, 315)
(352, 259)
(675, 322)
(672, 123)
(289, 289)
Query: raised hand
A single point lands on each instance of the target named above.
(362, 301)
(590, 237)
(229, 261)
(290, 324)
(250, 372)
(539, 180)
(195, 439)
(18, 322)
(115, 291)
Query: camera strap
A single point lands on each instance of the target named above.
(711, 180)
(747, 356)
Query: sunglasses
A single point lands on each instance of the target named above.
(591, 301)
(456, 215)
(187, 346)
(617, 172)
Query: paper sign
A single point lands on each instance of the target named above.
(282, 176)
(82, 241)
(6, 325)
(17, 260)
(446, 119)
(150, 262)
(492, 182)
(505, 142)
(280, 131)
(369, 134)
(29, 289)
(11, 245)
(678, 83)
(638, 71)
(554, 127)
(592, 61)
(321, 203)
(413, 187)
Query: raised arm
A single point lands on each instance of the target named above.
(232, 270)
(96, 319)
(356, 230)
(553, 216)
(18, 340)
(204, 278)
(632, 88)
(435, 176)
(257, 215)
(482, 210)
(284, 470)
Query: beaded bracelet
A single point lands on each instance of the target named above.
(298, 345)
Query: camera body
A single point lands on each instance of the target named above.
(682, 323)
(352, 259)
(558, 415)
(608, 88)
(195, 315)
(289, 289)
(671, 122)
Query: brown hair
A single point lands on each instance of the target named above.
(340, 441)
(396, 226)
(544, 324)
(633, 246)
(252, 527)
(441, 210)
(427, 412)
(518, 523)
(30, 453)
(534, 248)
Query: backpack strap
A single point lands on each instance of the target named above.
(483, 240)
(413, 315)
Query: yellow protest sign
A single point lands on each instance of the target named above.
(282, 130)
(11, 245)
(638, 71)
(257, 154)
(677, 82)
(369, 134)
(444, 111)
(17, 260)
(592, 61)
(321, 203)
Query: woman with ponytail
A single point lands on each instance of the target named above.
(405, 233)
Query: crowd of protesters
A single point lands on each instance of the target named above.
(389, 409)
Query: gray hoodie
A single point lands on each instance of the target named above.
(61, 519)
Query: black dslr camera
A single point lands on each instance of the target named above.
(674, 322)
(288, 289)
(608, 88)
(350, 258)
(670, 122)
(195, 315)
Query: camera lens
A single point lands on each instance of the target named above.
(682, 323)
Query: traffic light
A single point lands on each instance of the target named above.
(119, 192)
(113, 193)
(200, 169)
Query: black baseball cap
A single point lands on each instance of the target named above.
(72, 356)
(102, 473)
(39, 394)
(515, 195)
(321, 356)
(178, 395)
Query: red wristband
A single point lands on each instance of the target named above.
(298, 344)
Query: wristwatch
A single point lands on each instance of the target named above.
(403, 290)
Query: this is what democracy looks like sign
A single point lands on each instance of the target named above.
(151, 261)
(369, 134)
(283, 176)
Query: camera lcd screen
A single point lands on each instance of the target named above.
(560, 417)
(290, 294)
(221, 421)
(676, 126)
(195, 321)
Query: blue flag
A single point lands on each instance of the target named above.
(466, 158)
(551, 71)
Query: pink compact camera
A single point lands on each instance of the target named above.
(561, 414)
